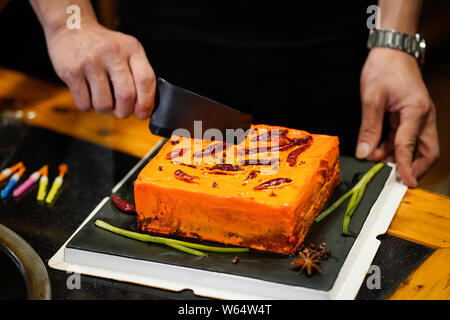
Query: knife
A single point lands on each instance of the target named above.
(192, 114)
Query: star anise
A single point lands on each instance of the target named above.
(308, 262)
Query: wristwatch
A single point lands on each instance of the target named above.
(412, 44)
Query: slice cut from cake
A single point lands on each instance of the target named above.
(263, 193)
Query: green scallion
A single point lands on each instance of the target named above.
(356, 193)
(176, 244)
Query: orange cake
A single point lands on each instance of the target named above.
(263, 193)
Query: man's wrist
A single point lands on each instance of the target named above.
(386, 54)
(400, 15)
(53, 17)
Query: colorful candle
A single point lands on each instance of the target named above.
(43, 182)
(32, 179)
(12, 183)
(57, 183)
(6, 173)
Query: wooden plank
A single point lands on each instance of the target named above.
(431, 281)
(423, 217)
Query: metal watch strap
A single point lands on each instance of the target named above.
(411, 44)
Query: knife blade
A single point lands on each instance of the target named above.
(183, 112)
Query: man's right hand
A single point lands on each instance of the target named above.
(105, 70)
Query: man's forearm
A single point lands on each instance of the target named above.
(400, 15)
(52, 14)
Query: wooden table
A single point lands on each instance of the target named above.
(423, 217)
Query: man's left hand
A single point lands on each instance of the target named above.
(391, 81)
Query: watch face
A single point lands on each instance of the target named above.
(422, 47)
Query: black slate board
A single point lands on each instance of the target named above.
(396, 259)
(264, 266)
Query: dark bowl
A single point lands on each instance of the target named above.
(22, 273)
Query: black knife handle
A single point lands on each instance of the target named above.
(177, 108)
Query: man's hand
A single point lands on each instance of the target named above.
(105, 70)
(391, 82)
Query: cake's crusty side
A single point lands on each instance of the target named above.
(264, 207)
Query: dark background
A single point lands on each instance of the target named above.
(323, 81)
